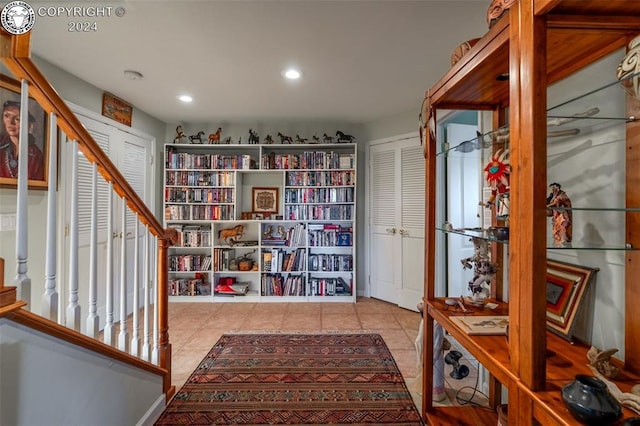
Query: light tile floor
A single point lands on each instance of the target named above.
(195, 327)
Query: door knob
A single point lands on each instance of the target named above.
(404, 232)
(391, 230)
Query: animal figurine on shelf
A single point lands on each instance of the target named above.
(180, 136)
(301, 140)
(197, 138)
(327, 139)
(253, 137)
(214, 138)
(601, 361)
(231, 235)
(559, 208)
(268, 139)
(227, 140)
(315, 139)
(284, 138)
(344, 138)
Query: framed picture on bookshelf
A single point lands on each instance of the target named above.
(566, 288)
(265, 200)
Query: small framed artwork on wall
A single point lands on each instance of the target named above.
(265, 200)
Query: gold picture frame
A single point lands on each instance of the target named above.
(264, 200)
(567, 285)
(38, 162)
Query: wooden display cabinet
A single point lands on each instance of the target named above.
(537, 43)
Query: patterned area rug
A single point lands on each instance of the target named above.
(294, 379)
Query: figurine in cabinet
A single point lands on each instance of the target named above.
(498, 171)
(559, 208)
(483, 271)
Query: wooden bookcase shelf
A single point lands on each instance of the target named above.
(537, 43)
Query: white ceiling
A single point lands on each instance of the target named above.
(362, 60)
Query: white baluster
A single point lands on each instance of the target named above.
(109, 327)
(50, 295)
(93, 321)
(135, 337)
(123, 336)
(22, 281)
(73, 308)
(156, 315)
(146, 344)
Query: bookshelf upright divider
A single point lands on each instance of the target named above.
(299, 246)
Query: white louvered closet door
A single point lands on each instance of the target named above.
(131, 154)
(396, 206)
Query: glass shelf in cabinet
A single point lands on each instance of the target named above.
(608, 99)
(473, 233)
(551, 245)
(475, 145)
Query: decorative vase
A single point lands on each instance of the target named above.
(629, 69)
(589, 400)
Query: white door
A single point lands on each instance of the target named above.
(463, 195)
(131, 154)
(396, 197)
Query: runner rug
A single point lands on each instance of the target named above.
(294, 379)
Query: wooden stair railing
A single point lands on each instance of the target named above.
(15, 53)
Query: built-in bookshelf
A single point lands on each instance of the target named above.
(302, 249)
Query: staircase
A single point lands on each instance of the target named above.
(68, 364)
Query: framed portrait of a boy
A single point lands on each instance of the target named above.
(37, 128)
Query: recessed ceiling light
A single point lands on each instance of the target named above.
(132, 75)
(292, 73)
(185, 98)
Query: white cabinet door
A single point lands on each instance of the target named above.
(396, 200)
(132, 155)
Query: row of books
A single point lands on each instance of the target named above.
(331, 262)
(309, 160)
(189, 262)
(276, 235)
(193, 236)
(193, 212)
(328, 287)
(199, 195)
(188, 287)
(185, 160)
(319, 195)
(222, 258)
(278, 285)
(319, 212)
(322, 178)
(199, 178)
(330, 235)
(279, 260)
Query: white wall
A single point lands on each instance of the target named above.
(46, 381)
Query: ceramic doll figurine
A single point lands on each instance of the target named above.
(483, 271)
(440, 344)
(498, 171)
(559, 208)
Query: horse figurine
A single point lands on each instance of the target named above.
(180, 136)
(327, 139)
(344, 138)
(214, 138)
(301, 140)
(197, 138)
(315, 138)
(284, 138)
(268, 139)
(227, 140)
(253, 137)
(231, 235)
